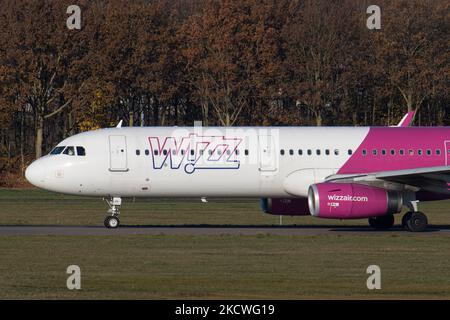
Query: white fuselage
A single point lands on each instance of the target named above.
(197, 161)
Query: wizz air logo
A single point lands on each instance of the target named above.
(335, 197)
(195, 152)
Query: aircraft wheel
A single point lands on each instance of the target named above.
(418, 222)
(405, 219)
(373, 223)
(112, 222)
(382, 223)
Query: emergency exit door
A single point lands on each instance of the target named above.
(267, 153)
(118, 153)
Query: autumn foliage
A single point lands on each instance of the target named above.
(229, 62)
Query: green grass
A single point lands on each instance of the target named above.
(40, 207)
(225, 267)
(211, 266)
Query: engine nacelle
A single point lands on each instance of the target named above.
(352, 201)
(285, 206)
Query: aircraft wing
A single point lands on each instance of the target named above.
(433, 179)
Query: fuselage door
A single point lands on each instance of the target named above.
(118, 153)
(447, 153)
(267, 153)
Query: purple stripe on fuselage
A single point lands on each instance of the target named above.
(397, 138)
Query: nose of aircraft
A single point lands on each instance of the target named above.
(35, 173)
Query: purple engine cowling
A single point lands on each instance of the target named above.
(285, 206)
(352, 201)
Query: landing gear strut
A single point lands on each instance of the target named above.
(382, 222)
(112, 220)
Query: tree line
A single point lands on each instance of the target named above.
(228, 62)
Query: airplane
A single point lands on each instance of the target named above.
(327, 172)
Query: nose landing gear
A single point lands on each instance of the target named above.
(112, 220)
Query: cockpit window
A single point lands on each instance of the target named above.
(81, 151)
(69, 151)
(57, 150)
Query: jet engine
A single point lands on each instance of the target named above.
(285, 206)
(352, 201)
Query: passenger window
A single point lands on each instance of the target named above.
(309, 152)
(174, 152)
(210, 152)
(228, 152)
(392, 152)
(336, 152)
(364, 152)
(147, 152)
(291, 152)
(246, 152)
(69, 151)
(419, 152)
(402, 152)
(350, 151)
(428, 152)
(155, 152)
(374, 152)
(165, 152)
(383, 152)
(300, 152)
(192, 152)
(438, 152)
(57, 150)
(138, 152)
(282, 152)
(237, 152)
(411, 152)
(318, 152)
(327, 152)
(182, 152)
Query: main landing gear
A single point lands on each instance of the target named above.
(414, 221)
(112, 220)
(411, 221)
(382, 222)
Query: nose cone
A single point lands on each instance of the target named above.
(35, 173)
